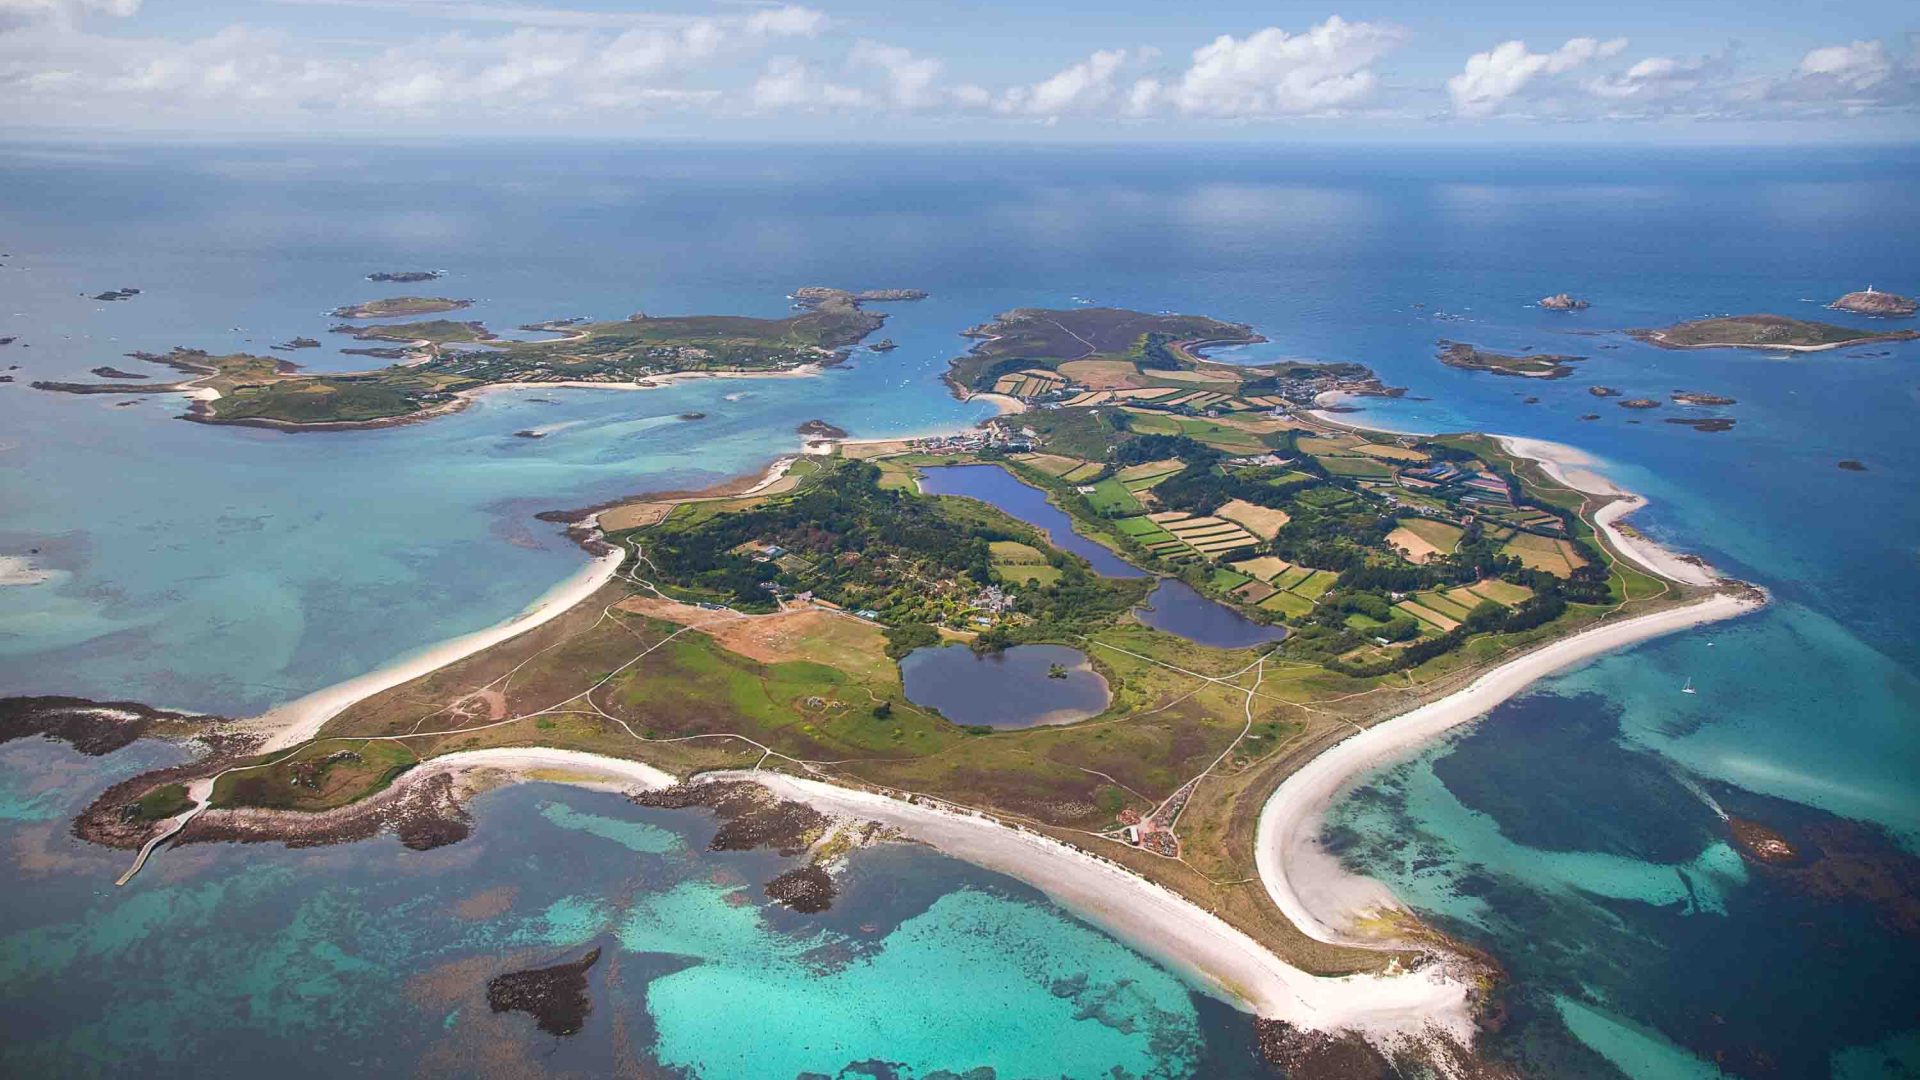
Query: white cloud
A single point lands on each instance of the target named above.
(911, 80)
(1084, 87)
(14, 13)
(530, 73)
(791, 20)
(1657, 78)
(1855, 66)
(788, 83)
(1326, 69)
(1491, 78)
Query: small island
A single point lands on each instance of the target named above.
(814, 295)
(1851, 465)
(108, 372)
(1459, 354)
(1639, 403)
(1092, 356)
(1603, 391)
(1563, 302)
(399, 307)
(407, 277)
(883, 345)
(1698, 397)
(820, 429)
(1872, 302)
(117, 294)
(435, 376)
(298, 343)
(1765, 332)
(1703, 423)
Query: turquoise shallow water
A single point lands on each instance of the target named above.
(373, 957)
(227, 569)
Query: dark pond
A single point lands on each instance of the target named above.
(999, 488)
(1174, 606)
(1009, 689)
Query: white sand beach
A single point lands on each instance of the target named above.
(1578, 470)
(575, 767)
(298, 720)
(1215, 956)
(1309, 885)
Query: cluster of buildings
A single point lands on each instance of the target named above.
(995, 435)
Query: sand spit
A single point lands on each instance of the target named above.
(299, 720)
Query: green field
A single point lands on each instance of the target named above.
(1290, 605)
(1316, 584)
(1111, 497)
(1361, 467)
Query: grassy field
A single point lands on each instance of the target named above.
(1111, 497)
(1022, 563)
(319, 776)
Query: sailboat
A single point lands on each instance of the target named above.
(1688, 689)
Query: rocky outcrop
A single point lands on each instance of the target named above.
(556, 997)
(1699, 397)
(1871, 301)
(1563, 302)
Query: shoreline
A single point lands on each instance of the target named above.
(1307, 884)
(1210, 953)
(292, 722)
(1576, 469)
(296, 721)
(1658, 339)
(199, 412)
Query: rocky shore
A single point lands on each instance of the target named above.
(1871, 301)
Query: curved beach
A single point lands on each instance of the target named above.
(299, 720)
(1309, 885)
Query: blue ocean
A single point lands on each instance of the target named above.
(1575, 834)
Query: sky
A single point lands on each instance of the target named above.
(881, 70)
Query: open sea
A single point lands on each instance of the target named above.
(1575, 833)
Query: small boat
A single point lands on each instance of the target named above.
(1688, 689)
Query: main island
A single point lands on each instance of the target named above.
(1125, 641)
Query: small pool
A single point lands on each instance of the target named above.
(1008, 689)
(1177, 608)
(999, 488)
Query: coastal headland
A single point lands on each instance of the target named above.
(756, 633)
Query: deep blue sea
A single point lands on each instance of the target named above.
(1575, 833)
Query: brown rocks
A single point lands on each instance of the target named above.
(556, 997)
(1563, 302)
(1879, 304)
(808, 890)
